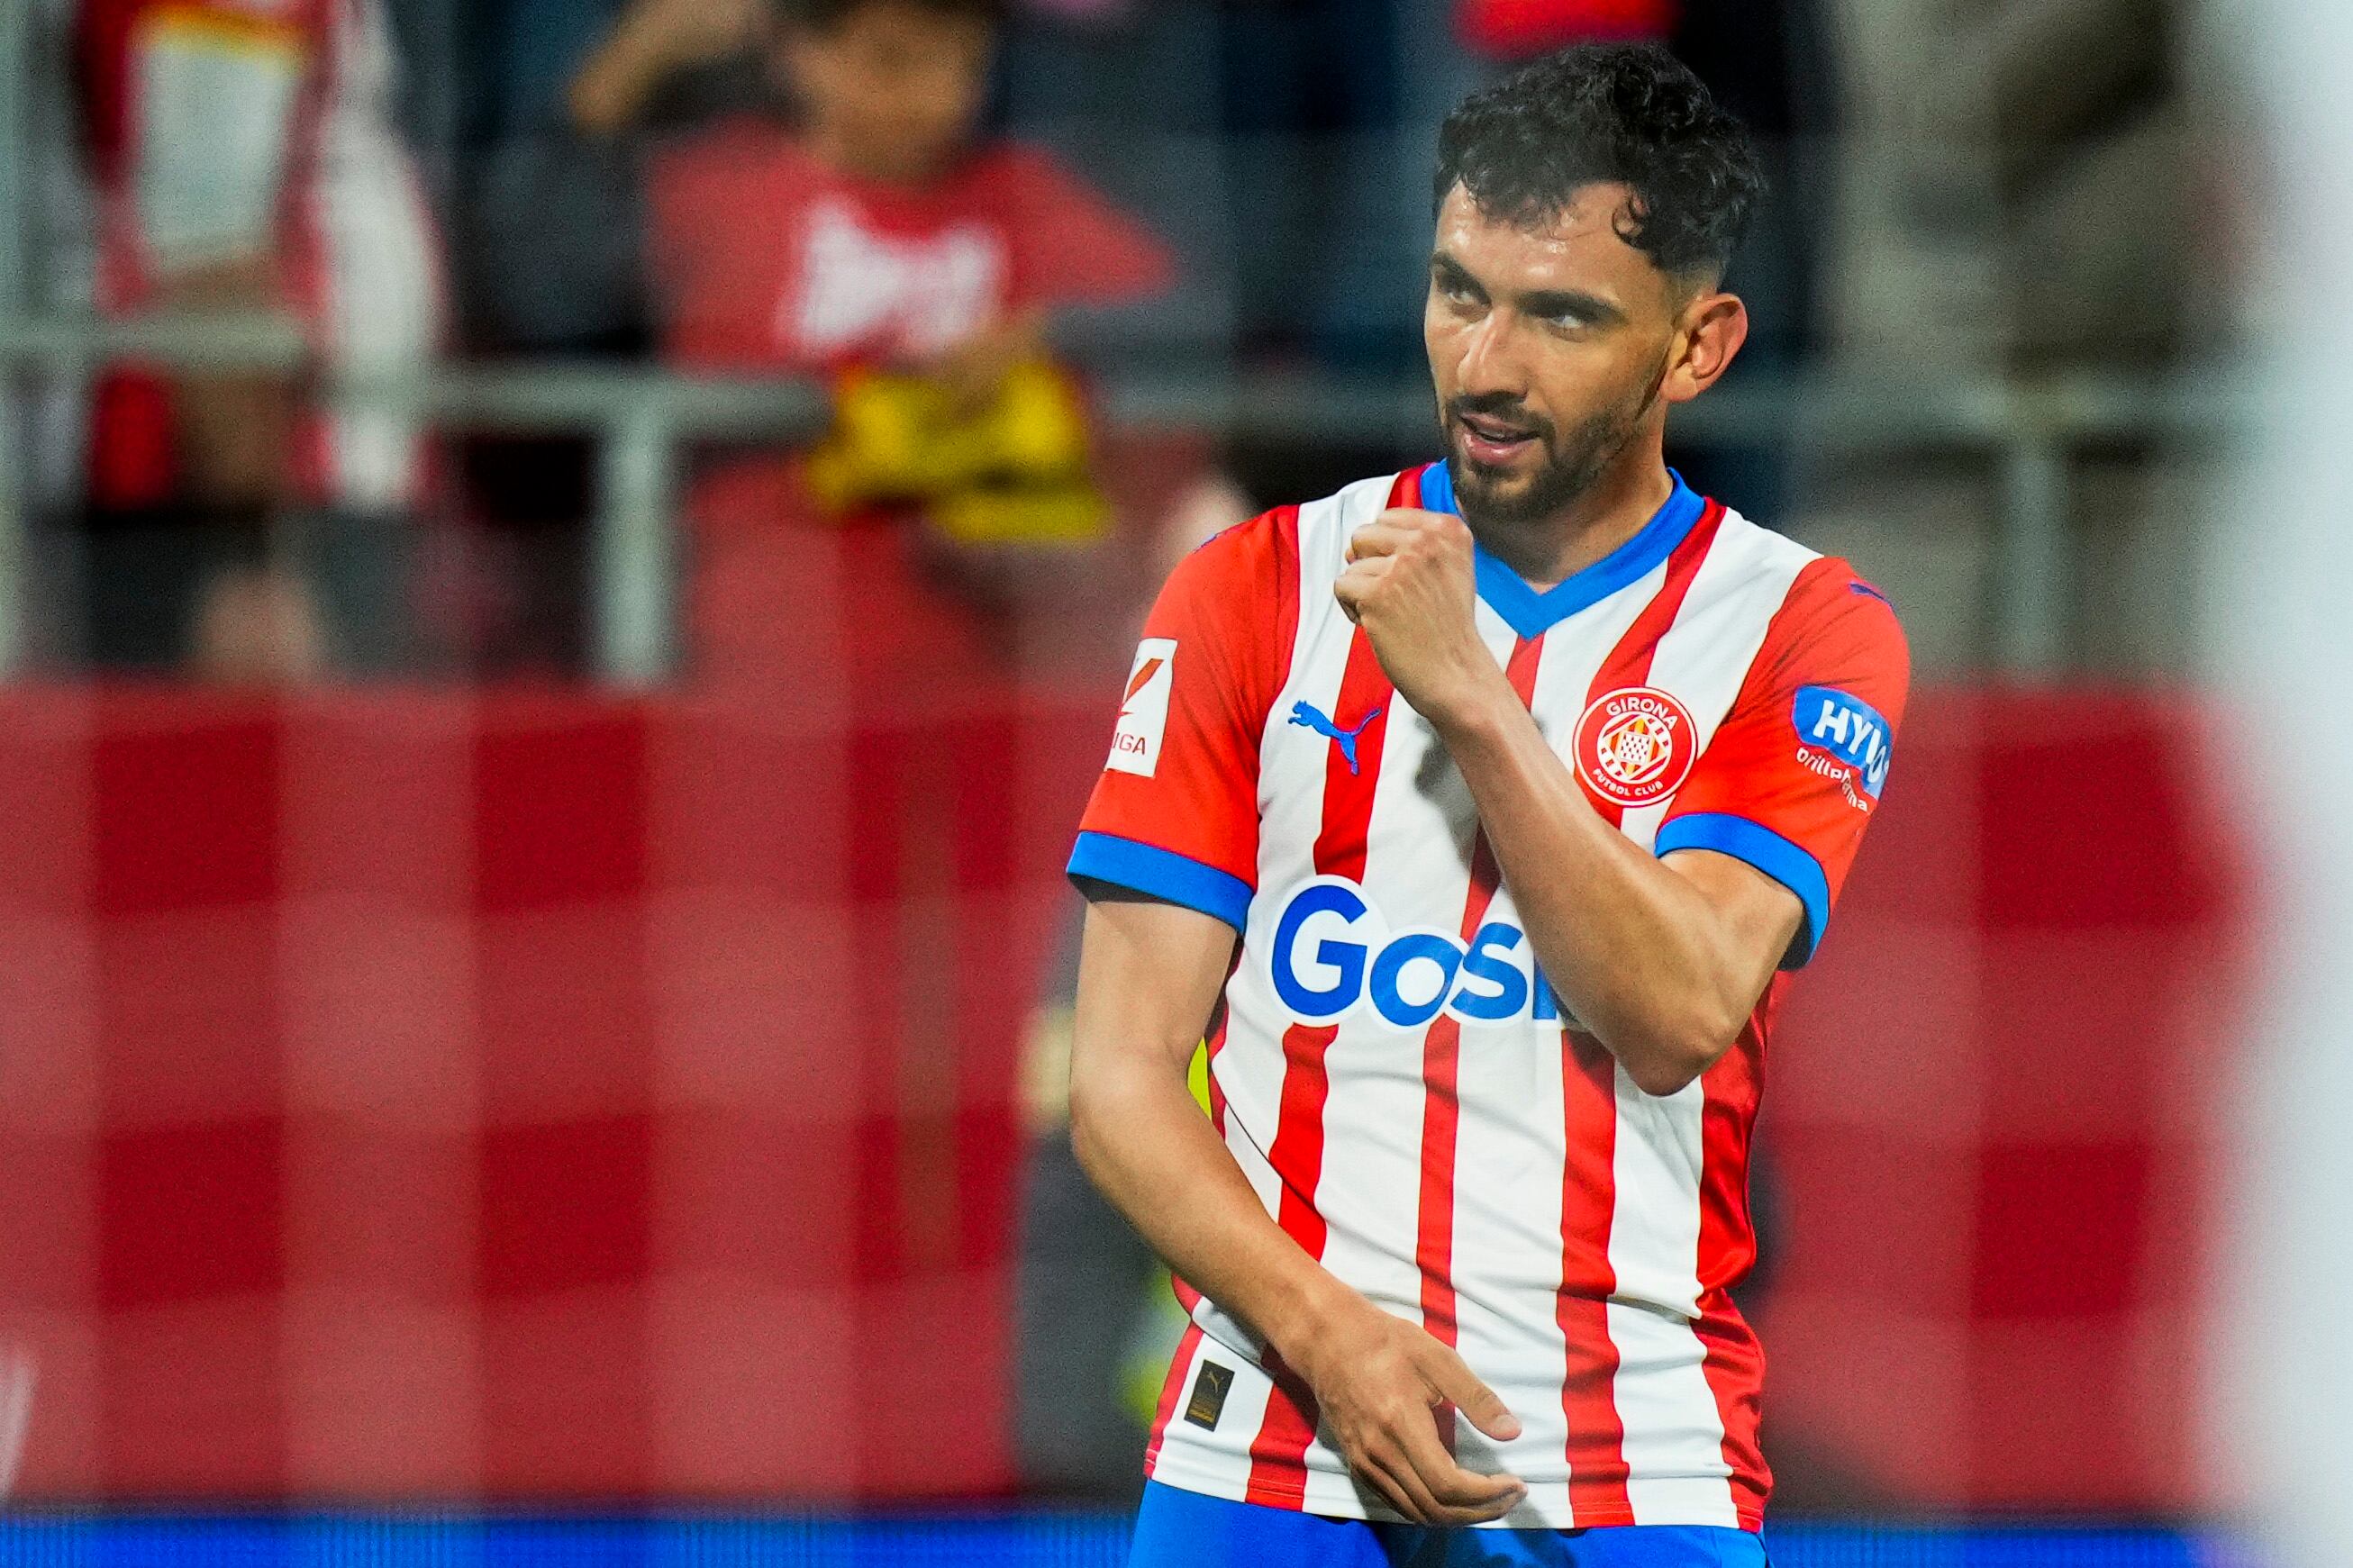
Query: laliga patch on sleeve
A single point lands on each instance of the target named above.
(1143, 712)
(1847, 728)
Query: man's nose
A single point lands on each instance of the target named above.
(1491, 359)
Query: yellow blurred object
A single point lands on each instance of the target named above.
(1197, 1076)
(1012, 472)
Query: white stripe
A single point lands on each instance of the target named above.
(1249, 1067)
(1576, 650)
(1673, 1428)
(1378, 1108)
(1674, 1442)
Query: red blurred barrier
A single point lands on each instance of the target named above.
(533, 1094)
(417, 1094)
(1995, 1109)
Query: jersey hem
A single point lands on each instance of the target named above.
(1786, 862)
(1162, 874)
(1548, 1500)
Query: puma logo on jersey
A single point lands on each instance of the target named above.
(1307, 716)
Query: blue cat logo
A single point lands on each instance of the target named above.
(1307, 716)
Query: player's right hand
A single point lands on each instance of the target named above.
(1380, 1384)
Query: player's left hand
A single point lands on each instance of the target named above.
(1411, 583)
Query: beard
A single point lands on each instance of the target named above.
(1573, 461)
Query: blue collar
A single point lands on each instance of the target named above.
(1532, 613)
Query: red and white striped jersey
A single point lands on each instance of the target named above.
(1389, 1068)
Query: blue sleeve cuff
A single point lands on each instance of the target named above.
(1770, 852)
(1162, 874)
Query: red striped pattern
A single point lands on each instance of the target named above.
(1441, 1060)
(1172, 1389)
(1595, 1444)
(1735, 1363)
(1278, 1454)
(1588, 1200)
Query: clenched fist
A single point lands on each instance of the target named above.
(1411, 584)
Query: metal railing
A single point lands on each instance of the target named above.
(643, 418)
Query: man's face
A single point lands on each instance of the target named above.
(1548, 345)
(893, 89)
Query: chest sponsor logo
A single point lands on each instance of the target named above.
(1840, 735)
(1635, 745)
(1331, 955)
(1143, 711)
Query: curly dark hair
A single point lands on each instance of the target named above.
(1630, 113)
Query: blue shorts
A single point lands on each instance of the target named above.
(1177, 1529)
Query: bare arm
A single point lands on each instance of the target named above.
(1149, 973)
(653, 39)
(1662, 960)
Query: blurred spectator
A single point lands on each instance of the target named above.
(872, 238)
(671, 61)
(559, 99)
(246, 160)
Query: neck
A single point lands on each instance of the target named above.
(1627, 493)
(832, 150)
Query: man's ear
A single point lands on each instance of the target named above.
(1714, 327)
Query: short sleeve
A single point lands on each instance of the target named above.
(1793, 775)
(1070, 246)
(1175, 815)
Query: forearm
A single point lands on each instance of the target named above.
(1157, 1160)
(608, 92)
(1634, 950)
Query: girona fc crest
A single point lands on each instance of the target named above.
(1634, 745)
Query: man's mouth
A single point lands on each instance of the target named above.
(1493, 441)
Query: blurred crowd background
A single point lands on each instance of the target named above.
(565, 566)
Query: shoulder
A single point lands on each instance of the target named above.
(1829, 599)
(1279, 546)
(1836, 640)
(1811, 597)
(734, 152)
(1025, 172)
(1324, 525)
(1233, 568)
